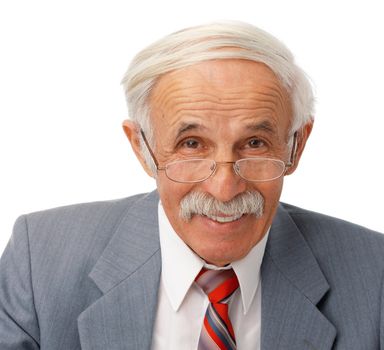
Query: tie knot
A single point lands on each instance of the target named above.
(219, 285)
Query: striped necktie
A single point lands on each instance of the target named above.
(217, 331)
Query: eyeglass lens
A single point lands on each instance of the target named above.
(251, 169)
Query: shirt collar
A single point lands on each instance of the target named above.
(248, 272)
(180, 266)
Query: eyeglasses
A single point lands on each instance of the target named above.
(257, 169)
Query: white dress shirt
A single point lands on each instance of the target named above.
(182, 304)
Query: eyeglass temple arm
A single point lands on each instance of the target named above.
(293, 151)
(149, 149)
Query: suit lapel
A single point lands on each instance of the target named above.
(128, 274)
(292, 286)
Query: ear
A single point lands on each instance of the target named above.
(301, 140)
(132, 131)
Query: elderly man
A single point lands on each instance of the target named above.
(211, 260)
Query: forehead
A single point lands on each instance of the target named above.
(220, 91)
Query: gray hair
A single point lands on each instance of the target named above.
(220, 40)
(202, 203)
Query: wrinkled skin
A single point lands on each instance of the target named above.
(223, 110)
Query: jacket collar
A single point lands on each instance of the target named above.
(128, 274)
(292, 285)
(135, 241)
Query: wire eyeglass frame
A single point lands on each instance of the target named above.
(235, 164)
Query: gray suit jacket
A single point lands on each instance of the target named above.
(86, 277)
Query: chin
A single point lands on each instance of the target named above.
(221, 257)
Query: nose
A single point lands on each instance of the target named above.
(224, 184)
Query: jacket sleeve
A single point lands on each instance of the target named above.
(19, 327)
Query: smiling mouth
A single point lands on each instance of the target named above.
(224, 219)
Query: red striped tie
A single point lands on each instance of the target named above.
(217, 331)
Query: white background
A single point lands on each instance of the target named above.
(61, 103)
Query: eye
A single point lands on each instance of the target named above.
(255, 143)
(190, 143)
(192, 146)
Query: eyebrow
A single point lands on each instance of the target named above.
(184, 127)
(263, 126)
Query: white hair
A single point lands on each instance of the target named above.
(202, 203)
(220, 40)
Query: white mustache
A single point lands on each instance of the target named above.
(202, 203)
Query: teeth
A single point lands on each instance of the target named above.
(223, 219)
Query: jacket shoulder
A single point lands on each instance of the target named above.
(300, 215)
(75, 234)
(330, 237)
(82, 218)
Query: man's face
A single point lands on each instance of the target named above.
(223, 110)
